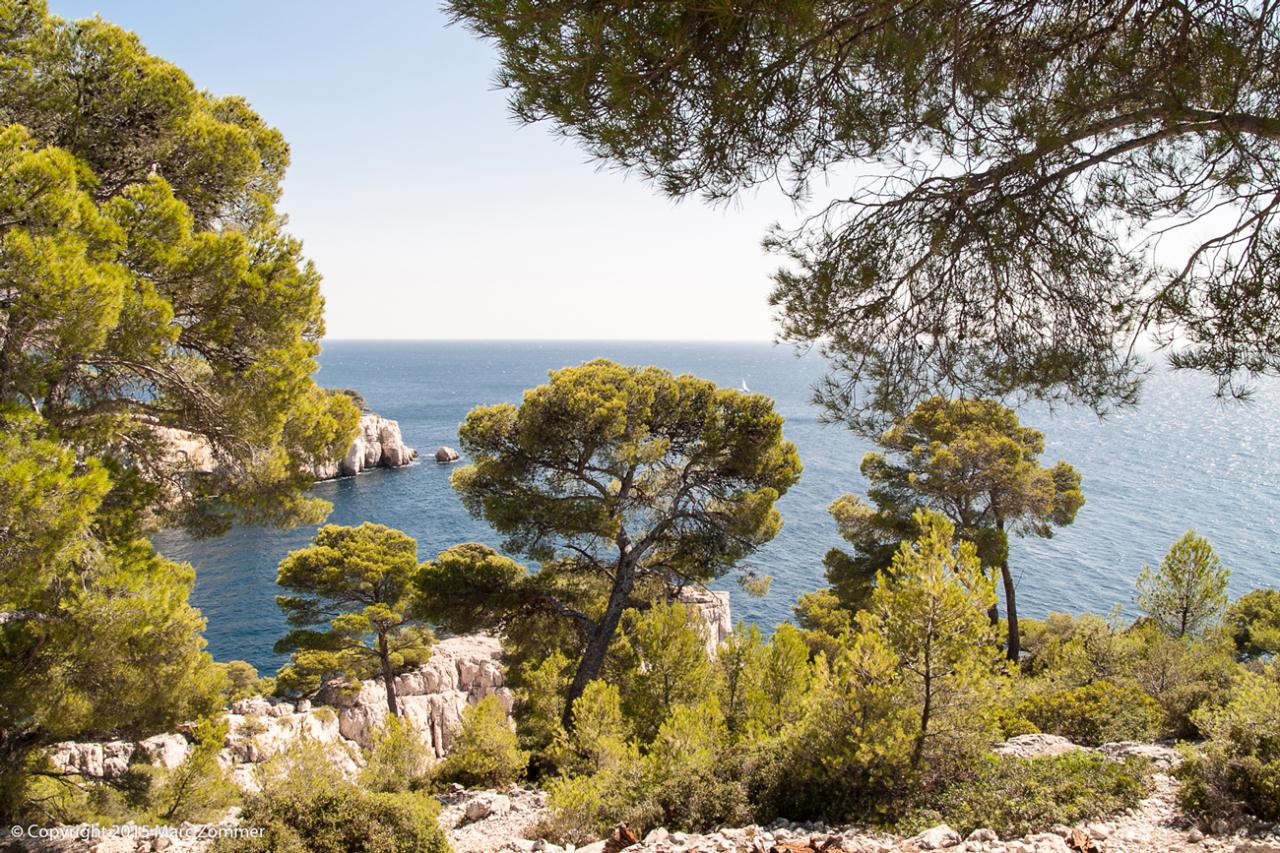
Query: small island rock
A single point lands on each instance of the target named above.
(446, 454)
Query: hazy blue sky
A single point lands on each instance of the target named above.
(430, 213)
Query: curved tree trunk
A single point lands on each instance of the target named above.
(598, 644)
(388, 678)
(1014, 647)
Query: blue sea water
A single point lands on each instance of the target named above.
(1178, 461)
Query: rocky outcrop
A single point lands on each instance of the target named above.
(378, 445)
(1036, 745)
(431, 698)
(713, 607)
(445, 455)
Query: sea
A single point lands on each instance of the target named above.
(1180, 460)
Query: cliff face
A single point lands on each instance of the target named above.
(461, 670)
(379, 445)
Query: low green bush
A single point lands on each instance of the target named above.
(399, 761)
(1237, 768)
(485, 753)
(1017, 796)
(1095, 713)
(306, 806)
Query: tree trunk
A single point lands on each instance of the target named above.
(1011, 609)
(917, 752)
(593, 656)
(388, 678)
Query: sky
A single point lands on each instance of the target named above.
(430, 212)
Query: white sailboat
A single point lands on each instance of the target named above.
(744, 386)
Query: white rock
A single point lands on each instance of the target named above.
(983, 834)
(488, 805)
(1195, 836)
(1098, 831)
(1164, 757)
(937, 838)
(166, 750)
(1036, 746)
(1048, 842)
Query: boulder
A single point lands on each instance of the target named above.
(937, 838)
(446, 454)
(980, 835)
(379, 444)
(1036, 746)
(108, 760)
(431, 697)
(167, 750)
(1163, 757)
(488, 805)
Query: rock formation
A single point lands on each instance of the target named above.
(379, 445)
(432, 697)
(445, 454)
(713, 607)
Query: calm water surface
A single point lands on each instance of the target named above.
(1180, 460)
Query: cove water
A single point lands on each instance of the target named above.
(1179, 461)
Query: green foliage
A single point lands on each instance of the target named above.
(624, 484)
(688, 772)
(1020, 796)
(974, 462)
(850, 753)
(685, 780)
(305, 806)
(1253, 622)
(243, 681)
(198, 789)
(399, 761)
(824, 618)
(355, 582)
(601, 737)
(158, 332)
(930, 610)
(1188, 593)
(1029, 265)
(1237, 768)
(665, 660)
(1095, 713)
(910, 700)
(485, 753)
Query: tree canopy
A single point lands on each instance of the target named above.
(158, 329)
(1032, 188)
(625, 484)
(1188, 592)
(349, 608)
(973, 462)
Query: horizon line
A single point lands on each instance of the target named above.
(327, 339)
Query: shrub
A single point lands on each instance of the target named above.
(1253, 621)
(306, 806)
(243, 680)
(1181, 676)
(663, 653)
(1095, 713)
(687, 775)
(485, 752)
(1238, 766)
(399, 761)
(198, 789)
(1017, 796)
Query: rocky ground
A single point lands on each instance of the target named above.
(484, 821)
